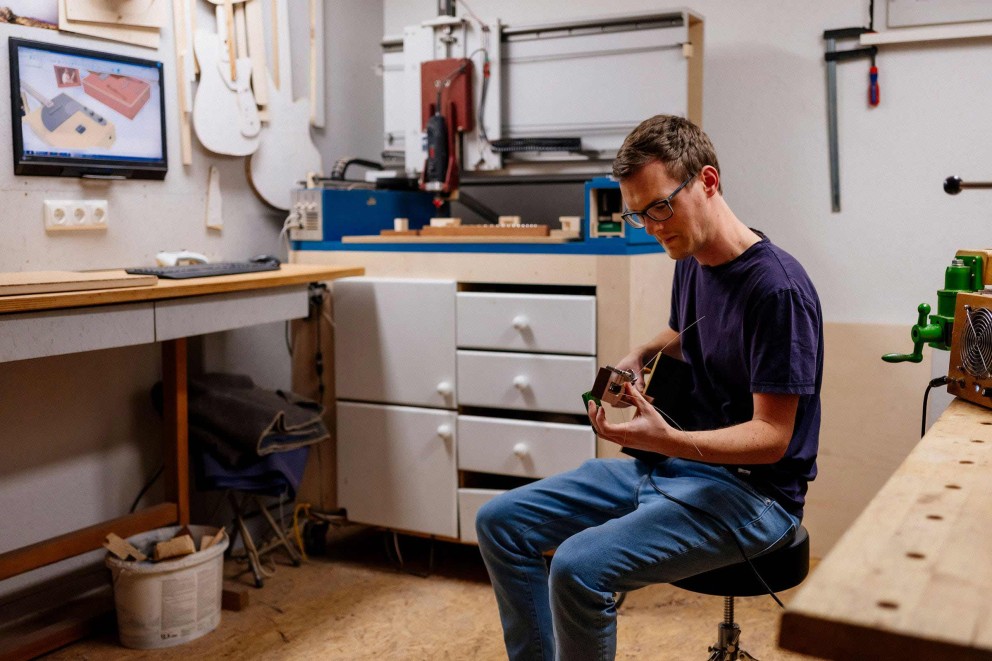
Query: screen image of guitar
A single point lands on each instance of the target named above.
(65, 123)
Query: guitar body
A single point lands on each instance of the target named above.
(68, 124)
(286, 154)
(221, 118)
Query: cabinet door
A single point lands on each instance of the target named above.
(394, 341)
(396, 467)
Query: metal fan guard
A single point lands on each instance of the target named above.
(976, 346)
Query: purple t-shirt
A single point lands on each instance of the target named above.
(759, 330)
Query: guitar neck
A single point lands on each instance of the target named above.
(45, 101)
(281, 39)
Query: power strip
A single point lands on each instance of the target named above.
(305, 205)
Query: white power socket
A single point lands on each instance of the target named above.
(75, 215)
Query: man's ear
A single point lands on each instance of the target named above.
(711, 180)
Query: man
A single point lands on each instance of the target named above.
(746, 319)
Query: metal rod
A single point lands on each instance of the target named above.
(832, 128)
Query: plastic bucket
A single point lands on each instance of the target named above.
(169, 602)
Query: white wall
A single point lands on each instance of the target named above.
(79, 436)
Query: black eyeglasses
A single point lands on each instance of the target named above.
(659, 211)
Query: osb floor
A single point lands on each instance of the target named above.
(354, 603)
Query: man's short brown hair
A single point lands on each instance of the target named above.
(674, 141)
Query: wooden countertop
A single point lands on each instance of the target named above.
(288, 274)
(912, 578)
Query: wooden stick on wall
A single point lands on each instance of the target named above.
(317, 113)
(182, 52)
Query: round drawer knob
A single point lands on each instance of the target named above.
(445, 388)
(521, 382)
(521, 450)
(521, 322)
(445, 431)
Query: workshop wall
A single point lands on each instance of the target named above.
(764, 106)
(79, 435)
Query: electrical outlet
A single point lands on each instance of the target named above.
(75, 215)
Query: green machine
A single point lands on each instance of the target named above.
(965, 273)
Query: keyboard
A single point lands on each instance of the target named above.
(181, 271)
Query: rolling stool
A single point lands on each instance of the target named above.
(782, 569)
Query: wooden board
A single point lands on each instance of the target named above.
(144, 13)
(129, 34)
(486, 230)
(37, 282)
(911, 578)
(288, 274)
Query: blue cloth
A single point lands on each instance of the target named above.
(274, 474)
(759, 330)
(614, 532)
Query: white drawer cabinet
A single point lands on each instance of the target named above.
(447, 398)
(526, 448)
(527, 322)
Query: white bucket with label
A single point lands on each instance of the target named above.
(161, 604)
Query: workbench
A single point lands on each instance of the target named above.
(912, 578)
(38, 325)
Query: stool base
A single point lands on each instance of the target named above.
(728, 637)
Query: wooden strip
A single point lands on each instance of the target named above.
(182, 83)
(81, 541)
(317, 63)
(486, 230)
(256, 51)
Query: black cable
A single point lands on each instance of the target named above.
(871, 15)
(935, 383)
(144, 489)
(723, 524)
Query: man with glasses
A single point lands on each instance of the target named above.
(731, 480)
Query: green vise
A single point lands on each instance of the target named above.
(964, 274)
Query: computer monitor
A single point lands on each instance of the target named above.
(83, 113)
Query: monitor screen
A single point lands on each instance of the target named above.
(84, 113)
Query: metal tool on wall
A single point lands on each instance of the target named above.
(832, 57)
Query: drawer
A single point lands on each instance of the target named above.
(198, 315)
(56, 332)
(524, 381)
(527, 322)
(522, 447)
(469, 503)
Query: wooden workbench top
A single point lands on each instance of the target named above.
(288, 274)
(912, 578)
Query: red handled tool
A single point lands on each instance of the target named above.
(873, 84)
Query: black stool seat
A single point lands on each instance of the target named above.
(782, 569)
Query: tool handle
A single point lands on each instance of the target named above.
(873, 87)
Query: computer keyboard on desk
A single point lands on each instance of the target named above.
(203, 270)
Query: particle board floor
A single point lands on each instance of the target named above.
(353, 603)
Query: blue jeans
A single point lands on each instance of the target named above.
(614, 532)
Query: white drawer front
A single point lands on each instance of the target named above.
(522, 447)
(469, 502)
(524, 381)
(527, 322)
(396, 467)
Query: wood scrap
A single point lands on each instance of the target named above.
(173, 548)
(123, 549)
(209, 540)
(234, 600)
